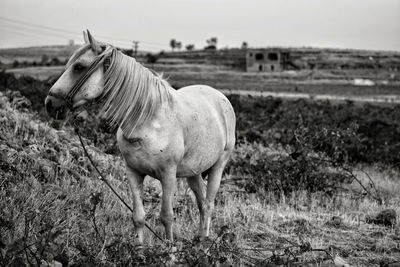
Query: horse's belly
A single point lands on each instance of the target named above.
(202, 151)
(198, 163)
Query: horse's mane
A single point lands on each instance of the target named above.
(132, 93)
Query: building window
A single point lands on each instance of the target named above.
(251, 54)
(259, 56)
(260, 67)
(272, 67)
(273, 56)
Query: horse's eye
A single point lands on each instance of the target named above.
(78, 67)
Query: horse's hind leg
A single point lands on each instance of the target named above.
(214, 181)
(197, 185)
(136, 182)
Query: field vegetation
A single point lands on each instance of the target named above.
(320, 82)
(304, 187)
(28, 55)
(321, 71)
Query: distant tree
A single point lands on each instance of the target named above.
(211, 43)
(15, 64)
(151, 58)
(245, 45)
(189, 47)
(179, 45)
(44, 60)
(172, 44)
(55, 61)
(128, 52)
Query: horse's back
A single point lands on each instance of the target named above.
(204, 95)
(209, 106)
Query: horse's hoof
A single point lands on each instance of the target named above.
(200, 239)
(139, 253)
(141, 258)
(169, 243)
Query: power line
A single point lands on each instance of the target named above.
(21, 30)
(44, 32)
(38, 31)
(36, 25)
(37, 36)
(30, 34)
(31, 25)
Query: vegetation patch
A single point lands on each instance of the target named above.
(293, 193)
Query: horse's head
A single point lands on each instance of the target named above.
(81, 82)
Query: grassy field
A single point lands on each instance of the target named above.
(54, 209)
(333, 82)
(31, 54)
(39, 73)
(181, 69)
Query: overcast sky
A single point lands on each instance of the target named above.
(363, 24)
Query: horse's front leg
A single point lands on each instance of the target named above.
(168, 183)
(136, 183)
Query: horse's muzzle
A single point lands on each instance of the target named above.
(56, 107)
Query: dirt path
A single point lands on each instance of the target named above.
(387, 99)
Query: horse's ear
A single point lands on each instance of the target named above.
(85, 37)
(93, 43)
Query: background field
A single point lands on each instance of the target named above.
(323, 71)
(304, 185)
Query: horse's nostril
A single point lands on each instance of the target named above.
(56, 107)
(49, 106)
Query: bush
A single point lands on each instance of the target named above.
(375, 137)
(294, 168)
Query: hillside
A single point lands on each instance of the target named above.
(36, 53)
(303, 58)
(31, 54)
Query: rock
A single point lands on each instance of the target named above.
(363, 82)
(386, 217)
(393, 264)
(386, 263)
(51, 264)
(339, 262)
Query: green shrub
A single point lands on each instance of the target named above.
(376, 135)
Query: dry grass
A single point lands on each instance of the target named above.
(53, 207)
(39, 73)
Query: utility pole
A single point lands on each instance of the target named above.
(135, 47)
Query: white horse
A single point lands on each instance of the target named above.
(162, 132)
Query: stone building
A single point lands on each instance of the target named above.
(266, 60)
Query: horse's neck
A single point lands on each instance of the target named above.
(139, 95)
